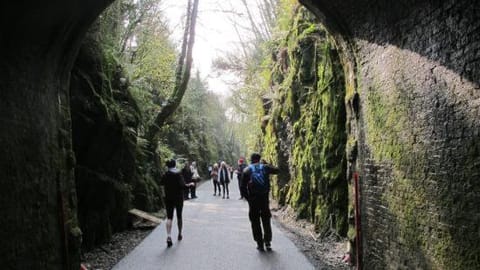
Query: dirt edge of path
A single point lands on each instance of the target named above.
(104, 257)
(325, 254)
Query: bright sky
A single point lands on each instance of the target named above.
(214, 34)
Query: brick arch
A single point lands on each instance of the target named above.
(416, 76)
(39, 42)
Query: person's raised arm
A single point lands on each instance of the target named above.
(272, 169)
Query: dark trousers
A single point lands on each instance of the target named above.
(259, 211)
(242, 193)
(225, 187)
(216, 185)
(193, 190)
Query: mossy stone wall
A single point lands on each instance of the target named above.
(104, 123)
(39, 227)
(306, 133)
(417, 80)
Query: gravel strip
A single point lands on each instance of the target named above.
(108, 254)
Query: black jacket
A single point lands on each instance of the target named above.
(174, 185)
(187, 175)
(223, 175)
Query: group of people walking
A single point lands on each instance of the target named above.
(254, 186)
(221, 176)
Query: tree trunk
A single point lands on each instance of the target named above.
(182, 73)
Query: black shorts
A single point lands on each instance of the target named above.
(170, 205)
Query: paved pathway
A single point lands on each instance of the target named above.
(216, 235)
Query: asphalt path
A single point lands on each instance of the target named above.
(216, 235)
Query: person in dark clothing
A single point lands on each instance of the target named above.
(239, 172)
(187, 177)
(230, 170)
(216, 183)
(174, 185)
(224, 179)
(258, 202)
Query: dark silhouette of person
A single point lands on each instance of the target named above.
(258, 202)
(216, 183)
(239, 172)
(187, 177)
(175, 186)
(224, 179)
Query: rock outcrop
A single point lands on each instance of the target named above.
(305, 132)
(104, 125)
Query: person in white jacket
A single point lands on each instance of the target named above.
(195, 179)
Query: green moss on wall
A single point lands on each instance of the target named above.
(421, 203)
(313, 120)
(385, 120)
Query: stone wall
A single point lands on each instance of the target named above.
(415, 68)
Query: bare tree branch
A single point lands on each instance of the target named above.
(255, 30)
(135, 17)
(182, 73)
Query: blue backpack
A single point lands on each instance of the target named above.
(259, 183)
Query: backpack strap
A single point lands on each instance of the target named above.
(253, 168)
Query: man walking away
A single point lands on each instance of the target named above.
(256, 179)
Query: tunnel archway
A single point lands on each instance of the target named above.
(414, 75)
(39, 44)
(440, 38)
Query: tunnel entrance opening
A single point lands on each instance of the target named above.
(56, 165)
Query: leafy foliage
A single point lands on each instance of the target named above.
(135, 38)
(291, 103)
(200, 129)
